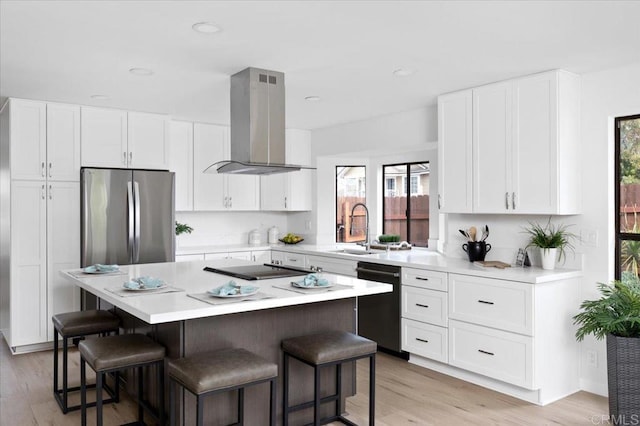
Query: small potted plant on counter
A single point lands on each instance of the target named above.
(616, 316)
(552, 240)
(182, 228)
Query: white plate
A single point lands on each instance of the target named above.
(145, 288)
(214, 294)
(311, 287)
(92, 270)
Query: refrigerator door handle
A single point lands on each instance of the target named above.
(136, 247)
(130, 219)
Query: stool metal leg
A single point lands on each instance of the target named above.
(338, 389)
(316, 396)
(55, 362)
(199, 414)
(99, 381)
(83, 392)
(65, 379)
(140, 409)
(241, 406)
(285, 391)
(172, 404)
(372, 390)
(272, 403)
(161, 392)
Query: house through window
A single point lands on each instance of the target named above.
(351, 189)
(627, 169)
(407, 215)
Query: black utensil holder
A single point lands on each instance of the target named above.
(476, 250)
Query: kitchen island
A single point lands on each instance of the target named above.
(186, 325)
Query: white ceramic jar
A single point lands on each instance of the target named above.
(273, 235)
(254, 238)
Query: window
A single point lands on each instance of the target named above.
(407, 216)
(351, 189)
(627, 150)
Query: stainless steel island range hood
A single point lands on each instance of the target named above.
(257, 125)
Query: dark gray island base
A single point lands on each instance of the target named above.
(261, 333)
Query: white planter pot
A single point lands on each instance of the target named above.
(548, 257)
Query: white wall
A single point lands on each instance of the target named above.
(406, 136)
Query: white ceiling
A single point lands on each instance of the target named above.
(344, 52)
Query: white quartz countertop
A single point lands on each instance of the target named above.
(431, 260)
(220, 248)
(190, 277)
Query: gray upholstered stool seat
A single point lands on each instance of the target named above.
(75, 325)
(328, 347)
(322, 350)
(222, 371)
(115, 353)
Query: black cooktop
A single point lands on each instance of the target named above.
(258, 272)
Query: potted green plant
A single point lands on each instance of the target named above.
(183, 228)
(552, 240)
(616, 316)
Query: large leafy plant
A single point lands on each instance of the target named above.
(617, 312)
(550, 236)
(183, 228)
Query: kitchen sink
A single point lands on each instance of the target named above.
(353, 251)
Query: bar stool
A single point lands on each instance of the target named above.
(322, 350)
(76, 325)
(222, 371)
(116, 353)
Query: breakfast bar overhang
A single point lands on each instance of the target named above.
(186, 325)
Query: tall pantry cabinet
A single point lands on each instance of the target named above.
(40, 217)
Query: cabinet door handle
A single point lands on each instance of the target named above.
(124, 158)
(513, 200)
(42, 192)
(422, 340)
(50, 192)
(506, 200)
(49, 169)
(439, 201)
(485, 302)
(130, 157)
(43, 169)
(230, 202)
(485, 352)
(292, 260)
(422, 278)
(285, 202)
(421, 305)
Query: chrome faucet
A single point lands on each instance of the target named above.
(367, 245)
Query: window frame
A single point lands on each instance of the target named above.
(335, 195)
(405, 190)
(620, 236)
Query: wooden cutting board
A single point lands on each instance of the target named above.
(494, 264)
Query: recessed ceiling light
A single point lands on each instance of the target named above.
(403, 72)
(312, 98)
(141, 71)
(100, 97)
(206, 28)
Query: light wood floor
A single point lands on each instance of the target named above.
(405, 395)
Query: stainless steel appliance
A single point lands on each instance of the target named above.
(258, 272)
(379, 314)
(127, 216)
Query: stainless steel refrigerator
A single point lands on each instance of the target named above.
(127, 216)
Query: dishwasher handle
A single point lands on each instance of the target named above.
(371, 271)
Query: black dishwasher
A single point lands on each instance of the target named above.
(379, 314)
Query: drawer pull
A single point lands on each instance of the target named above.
(422, 340)
(485, 302)
(422, 278)
(485, 352)
(421, 305)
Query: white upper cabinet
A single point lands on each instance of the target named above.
(492, 148)
(28, 127)
(115, 138)
(524, 147)
(63, 142)
(45, 140)
(212, 191)
(181, 162)
(454, 152)
(104, 137)
(148, 141)
(290, 191)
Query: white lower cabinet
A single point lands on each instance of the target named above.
(189, 257)
(288, 259)
(424, 305)
(494, 353)
(332, 265)
(424, 339)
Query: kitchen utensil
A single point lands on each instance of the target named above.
(485, 233)
(463, 232)
(472, 233)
